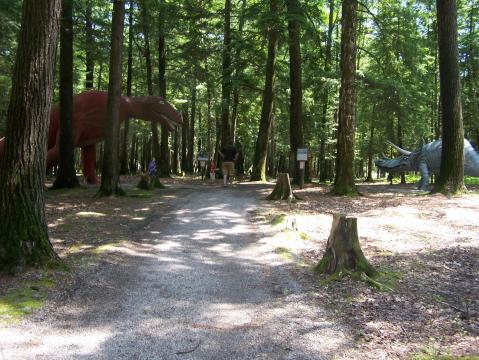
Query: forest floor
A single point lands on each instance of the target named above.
(197, 271)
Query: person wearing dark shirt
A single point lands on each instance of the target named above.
(229, 154)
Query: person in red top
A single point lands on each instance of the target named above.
(212, 170)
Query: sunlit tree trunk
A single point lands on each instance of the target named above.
(226, 76)
(191, 136)
(66, 176)
(451, 174)
(164, 169)
(90, 43)
(149, 75)
(296, 117)
(129, 78)
(110, 176)
(238, 74)
(259, 161)
(344, 181)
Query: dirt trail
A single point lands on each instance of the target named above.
(198, 282)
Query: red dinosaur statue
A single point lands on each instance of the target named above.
(89, 120)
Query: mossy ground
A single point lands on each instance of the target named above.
(24, 299)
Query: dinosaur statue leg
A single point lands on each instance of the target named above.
(53, 155)
(423, 183)
(88, 160)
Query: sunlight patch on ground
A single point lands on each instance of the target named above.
(167, 245)
(89, 214)
(85, 343)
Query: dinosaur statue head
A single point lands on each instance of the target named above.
(399, 164)
(154, 109)
(403, 163)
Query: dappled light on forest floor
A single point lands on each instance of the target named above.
(131, 279)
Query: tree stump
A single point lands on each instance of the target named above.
(282, 190)
(144, 182)
(343, 252)
(156, 183)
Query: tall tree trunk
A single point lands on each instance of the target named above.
(272, 155)
(184, 141)
(133, 154)
(110, 177)
(344, 181)
(295, 116)
(238, 74)
(164, 160)
(209, 120)
(325, 98)
(451, 174)
(129, 78)
(369, 177)
(226, 78)
(23, 230)
(191, 137)
(149, 77)
(66, 176)
(176, 151)
(90, 44)
(259, 161)
(399, 134)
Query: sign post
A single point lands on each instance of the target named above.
(202, 158)
(302, 157)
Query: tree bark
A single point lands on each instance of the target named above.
(149, 76)
(344, 181)
(296, 116)
(90, 44)
(23, 230)
(325, 97)
(282, 189)
(129, 79)
(238, 73)
(191, 136)
(110, 177)
(176, 151)
(66, 176)
(259, 161)
(451, 174)
(343, 251)
(164, 169)
(184, 141)
(226, 78)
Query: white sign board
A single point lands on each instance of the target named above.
(202, 157)
(302, 154)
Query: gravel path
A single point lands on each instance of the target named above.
(201, 281)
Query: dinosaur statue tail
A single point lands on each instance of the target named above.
(471, 160)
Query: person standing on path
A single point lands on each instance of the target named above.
(152, 167)
(229, 154)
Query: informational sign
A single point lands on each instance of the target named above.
(302, 154)
(202, 157)
(301, 165)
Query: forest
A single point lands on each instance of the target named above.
(182, 44)
(239, 179)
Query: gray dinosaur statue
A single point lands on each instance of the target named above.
(427, 159)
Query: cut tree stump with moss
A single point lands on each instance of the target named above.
(282, 190)
(144, 182)
(343, 252)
